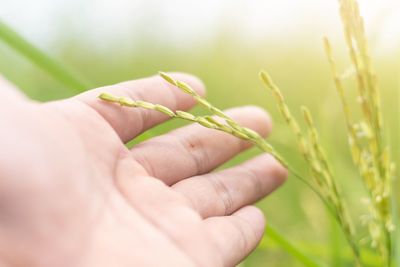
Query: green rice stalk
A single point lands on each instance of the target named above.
(51, 66)
(352, 137)
(332, 191)
(370, 153)
(202, 101)
(315, 158)
(289, 247)
(286, 114)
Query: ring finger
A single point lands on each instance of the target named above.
(224, 192)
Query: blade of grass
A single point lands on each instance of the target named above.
(290, 248)
(396, 234)
(335, 243)
(395, 198)
(48, 64)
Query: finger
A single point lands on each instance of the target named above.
(237, 235)
(129, 122)
(222, 193)
(163, 208)
(194, 150)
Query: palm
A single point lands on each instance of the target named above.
(92, 202)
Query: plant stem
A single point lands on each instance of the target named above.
(290, 248)
(395, 253)
(48, 64)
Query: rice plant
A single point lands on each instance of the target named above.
(369, 150)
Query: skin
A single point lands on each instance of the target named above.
(72, 194)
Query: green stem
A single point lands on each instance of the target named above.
(290, 248)
(54, 68)
(260, 143)
(394, 199)
(395, 253)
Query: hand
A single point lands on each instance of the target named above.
(72, 194)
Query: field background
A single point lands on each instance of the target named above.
(107, 42)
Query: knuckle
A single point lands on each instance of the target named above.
(224, 196)
(194, 147)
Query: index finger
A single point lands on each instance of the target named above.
(130, 122)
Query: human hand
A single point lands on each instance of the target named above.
(72, 194)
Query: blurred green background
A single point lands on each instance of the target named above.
(228, 62)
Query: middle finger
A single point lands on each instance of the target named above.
(195, 150)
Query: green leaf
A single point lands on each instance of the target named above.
(290, 248)
(54, 68)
